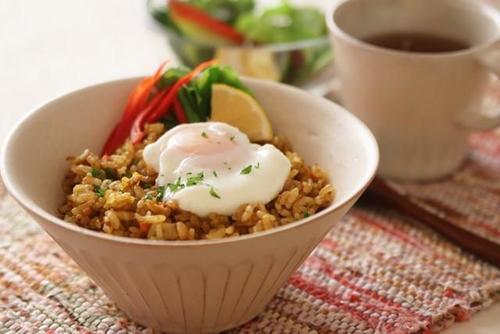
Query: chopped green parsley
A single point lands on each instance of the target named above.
(160, 193)
(246, 170)
(213, 193)
(194, 180)
(204, 134)
(175, 186)
(99, 191)
(190, 181)
(99, 173)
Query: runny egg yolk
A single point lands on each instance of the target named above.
(212, 167)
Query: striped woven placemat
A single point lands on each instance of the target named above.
(470, 198)
(376, 272)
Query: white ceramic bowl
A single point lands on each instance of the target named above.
(186, 286)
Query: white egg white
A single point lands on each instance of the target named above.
(212, 167)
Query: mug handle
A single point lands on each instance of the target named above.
(489, 117)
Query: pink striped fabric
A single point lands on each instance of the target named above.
(376, 272)
(379, 272)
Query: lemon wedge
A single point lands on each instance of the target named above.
(252, 62)
(237, 108)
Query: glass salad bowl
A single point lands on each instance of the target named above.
(298, 62)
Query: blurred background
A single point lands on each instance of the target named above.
(54, 46)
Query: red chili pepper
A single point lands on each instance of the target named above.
(144, 92)
(144, 228)
(139, 97)
(153, 114)
(199, 17)
(167, 102)
(179, 111)
(169, 99)
(136, 132)
(111, 142)
(137, 101)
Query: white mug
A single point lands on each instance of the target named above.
(420, 106)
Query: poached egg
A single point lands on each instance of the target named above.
(212, 167)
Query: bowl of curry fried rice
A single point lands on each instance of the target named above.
(200, 275)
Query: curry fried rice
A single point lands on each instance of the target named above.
(118, 195)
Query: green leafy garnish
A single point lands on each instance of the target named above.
(231, 138)
(246, 170)
(194, 180)
(190, 181)
(306, 214)
(175, 186)
(257, 166)
(224, 10)
(169, 120)
(213, 193)
(160, 193)
(171, 76)
(282, 23)
(192, 101)
(196, 96)
(163, 17)
(204, 134)
(99, 191)
(94, 172)
(148, 196)
(215, 174)
(146, 185)
(99, 173)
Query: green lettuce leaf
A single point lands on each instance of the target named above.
(196, 96)
(224, 10)
(283, 23)
(171, 76)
